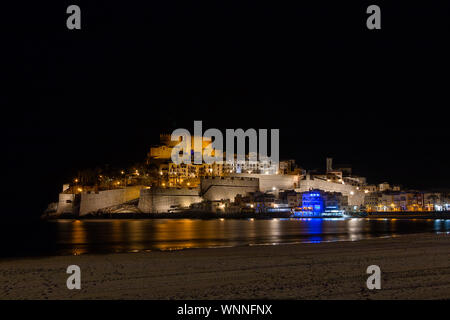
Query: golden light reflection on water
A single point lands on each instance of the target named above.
(79, 237)
(117, 234)
(170, 233)
(135, 232)
(128, 235)
(79, 233)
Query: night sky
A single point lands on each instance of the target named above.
(76, 99)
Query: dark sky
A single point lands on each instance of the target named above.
(80, 98)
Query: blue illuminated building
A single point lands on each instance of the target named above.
(317, 203)
(312, 204)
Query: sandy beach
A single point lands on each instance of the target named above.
(413, 267)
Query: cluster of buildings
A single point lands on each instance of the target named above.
(189, 175)
(333, 191)
(314, 203)
(233, 187)
(398, 200)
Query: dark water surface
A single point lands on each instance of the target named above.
(63, 237)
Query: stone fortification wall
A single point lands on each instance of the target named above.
(269, 181)
(160, 200)
(93, 201)
(355, 199)
(68, 203)
(226, 188)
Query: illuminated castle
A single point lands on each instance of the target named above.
(188, 174)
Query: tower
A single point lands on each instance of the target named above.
(329, 164)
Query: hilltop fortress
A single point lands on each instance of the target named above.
(162, 198)
(163, 186)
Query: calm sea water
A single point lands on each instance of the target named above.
(69, 237)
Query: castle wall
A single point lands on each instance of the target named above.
(269, 181)
(356, 199)
(67, 203)
(91, 202)
(226, 188)
(160, 200)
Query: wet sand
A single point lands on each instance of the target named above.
(413, 267)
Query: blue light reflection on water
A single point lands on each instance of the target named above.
(315, 230)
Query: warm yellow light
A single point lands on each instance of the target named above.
(188, 183)
(79, 189)
(163, 184)
(76, 180)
